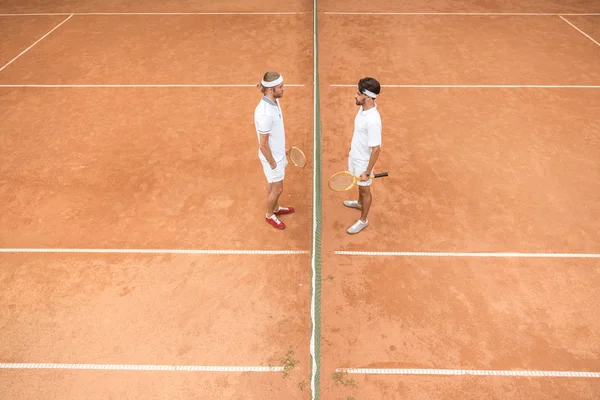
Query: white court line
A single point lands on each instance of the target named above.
(519, 373)
(176, 85)
(156, 251)
(452, 254)
(24, 51)
(582, 32)
(461, 13)
(483, 86)
(155, 13)
(137, 367)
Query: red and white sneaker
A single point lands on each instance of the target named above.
(275, 223)
(284, 210)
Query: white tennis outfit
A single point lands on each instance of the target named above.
(268, 120)
(367, 134)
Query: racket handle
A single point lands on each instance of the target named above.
(380, 175)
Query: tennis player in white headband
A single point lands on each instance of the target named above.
(365, 148)
(268, 120)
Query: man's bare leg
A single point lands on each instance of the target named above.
(364, 199)
(275, 190)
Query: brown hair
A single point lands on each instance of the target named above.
(268, 77)
(370, 84)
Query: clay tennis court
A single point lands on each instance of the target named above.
(135, 262)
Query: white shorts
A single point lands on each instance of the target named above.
(357, 167)
(277, 174)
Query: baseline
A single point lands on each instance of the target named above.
(517, 373)
(138, 367)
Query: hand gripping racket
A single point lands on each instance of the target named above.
(342, 181)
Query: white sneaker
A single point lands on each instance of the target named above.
(352, 204)
(357, 227)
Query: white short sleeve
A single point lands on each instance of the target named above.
(374, 132)
(264, 124)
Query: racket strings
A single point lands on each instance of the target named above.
(341, 181)
(297, 157)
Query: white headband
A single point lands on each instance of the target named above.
(274, 83)
(369, 93)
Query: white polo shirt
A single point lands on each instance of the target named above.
(367, 133)
(268, 120)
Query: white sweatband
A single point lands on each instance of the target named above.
(274, 83)
(369, 93)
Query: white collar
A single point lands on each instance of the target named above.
(368, 111)
(266, 99)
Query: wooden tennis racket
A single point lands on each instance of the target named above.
(345, 180)
(297, 157)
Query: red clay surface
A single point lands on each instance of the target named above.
(146, 168)
(143, 309)
(456, 50)
(472, 170)
(102, 385)
(163, 49)
(539, 6)
(19, 33)
(498, 170)
(462, 313)
(72, 6)
(588, 24)
(464, 388)
(514, 314)
(166, 168)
